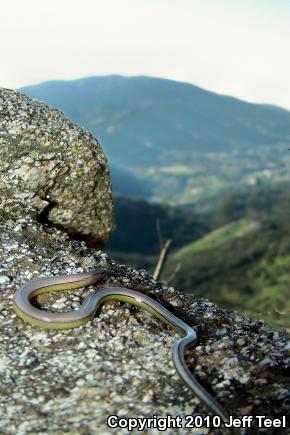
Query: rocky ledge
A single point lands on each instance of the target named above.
(119, 363)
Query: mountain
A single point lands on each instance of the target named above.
(146, 121)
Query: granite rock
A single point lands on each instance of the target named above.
(119, 363)
(52, 170)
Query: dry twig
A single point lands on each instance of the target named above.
(161, 259)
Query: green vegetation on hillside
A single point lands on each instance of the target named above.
(217, 237)
(245, 264)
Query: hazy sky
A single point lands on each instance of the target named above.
(235, 47)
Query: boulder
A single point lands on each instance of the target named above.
(52, 170)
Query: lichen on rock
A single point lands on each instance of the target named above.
(53, 170)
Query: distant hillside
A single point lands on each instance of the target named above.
(238, 255)
(245, 263)
(145, 121)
